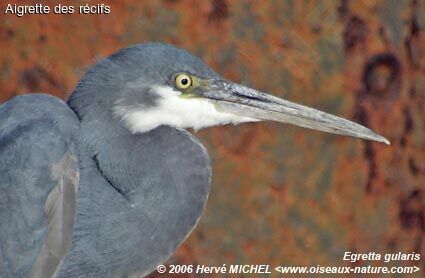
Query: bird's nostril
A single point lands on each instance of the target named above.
(251, 97)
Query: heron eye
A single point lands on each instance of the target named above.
(183, 81)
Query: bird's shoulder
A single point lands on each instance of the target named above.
(39, 176)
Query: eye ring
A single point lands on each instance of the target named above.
(183, 81)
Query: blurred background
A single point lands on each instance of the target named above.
(281, 195)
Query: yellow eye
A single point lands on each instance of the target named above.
(183, 81)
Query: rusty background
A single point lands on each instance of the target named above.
(281, 195)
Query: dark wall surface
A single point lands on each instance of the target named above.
(281, 195)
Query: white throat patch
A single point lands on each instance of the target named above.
(175, 111)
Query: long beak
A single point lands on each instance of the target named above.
(243, 101)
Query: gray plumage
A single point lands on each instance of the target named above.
(38, 180)
(130, 200)
(142, 180)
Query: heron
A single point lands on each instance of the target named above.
(111, 182)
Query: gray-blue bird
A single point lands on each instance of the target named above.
(111, 183)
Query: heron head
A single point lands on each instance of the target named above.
(150, 85)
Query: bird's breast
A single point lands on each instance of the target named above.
(138, 202)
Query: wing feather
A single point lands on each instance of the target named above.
(38, 184)
(60, 211)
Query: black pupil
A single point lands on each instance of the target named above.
(185, 81)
